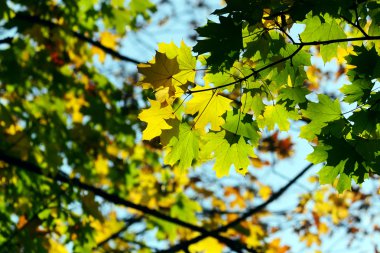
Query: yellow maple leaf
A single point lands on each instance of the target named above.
(107, 39)
(55, 247)
(75, 104)
(159, 73)
(275, 247)
(210, 107)
(207, 245)
(101, 165)
(265, 192)
(310, 239)
(186, 61)
(155, 116)
(256, 235)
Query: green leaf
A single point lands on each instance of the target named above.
(184, 148)
(277, 115)
(293, 96)
(323, 29)
(367, 63)
(358, 91)
(242, 124)
(253, 101)
(320, 113)
(227, 35)
(228, 149)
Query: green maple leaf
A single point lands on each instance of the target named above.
(185, 209)
(277, 115)
(367, 63)
(185, 148)
(347, 158)
(293, 96)
(227, 35)
(252, 101)
(228, 149)
(242, 124)
(320, 113)
(322, 29)
(358, 91)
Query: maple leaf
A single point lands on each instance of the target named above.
(184, 148)
(209, 106)
(277, 114)
(252, 101)
(228, 149)
(242, 124)
(155, 116)
(159, 75)
(186, 61)
(320, 113)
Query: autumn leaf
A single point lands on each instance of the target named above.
(155, 117)
(107, 39)
(159, 75)
(265, 192)
(209, 107)
(186, 61)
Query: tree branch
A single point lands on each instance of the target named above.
(49, 24)
(255, 72)
(114, 198)
(243, 217)
(301, 45)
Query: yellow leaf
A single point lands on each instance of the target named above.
(13, 129)
(155, 116)
(275, 247)
(105, 229)
(265, 192)
(186, 61)
(256, 236)
(208, 245)
(323, 228)
(210, 107)
(158, 74)
(310, 239)
(56, 247)
(101, 165)
(107, 39)
(75, 104)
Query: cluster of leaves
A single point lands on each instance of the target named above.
(76, 177)
(256, 80)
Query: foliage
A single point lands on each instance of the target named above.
(274, 71)
(94, 158)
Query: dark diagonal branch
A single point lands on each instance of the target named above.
(114, 198)
(243, 217)
(49, 24)
(255, 72)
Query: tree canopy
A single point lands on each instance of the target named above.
(102, 152)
